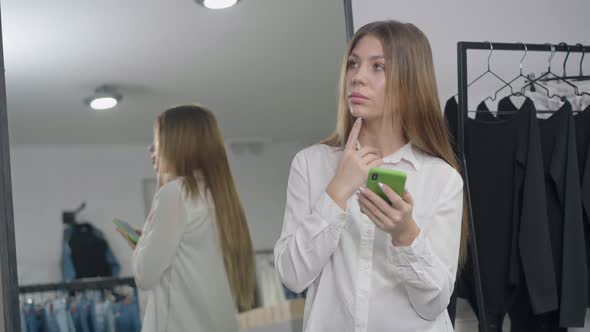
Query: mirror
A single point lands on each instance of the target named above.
(268, 70)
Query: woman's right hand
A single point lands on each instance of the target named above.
(353, 169)
(126, 236)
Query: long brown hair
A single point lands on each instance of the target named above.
(410, 90)
(191, 147)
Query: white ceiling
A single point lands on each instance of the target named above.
(267, 68)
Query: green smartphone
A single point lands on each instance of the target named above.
(396, 180)
(125, 227)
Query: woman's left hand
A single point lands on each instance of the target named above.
(395, 219)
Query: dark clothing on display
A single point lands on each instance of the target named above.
(484, 113)
(127, 316)
(582, 122)
(460, 290)
(452, 307)
(504, 163)
(565, 225)
(90, 252)
(451, 119)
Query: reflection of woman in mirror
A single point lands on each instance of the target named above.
(195, 255)
(369, 265)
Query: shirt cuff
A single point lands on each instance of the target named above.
(408, 255)
(330, 212)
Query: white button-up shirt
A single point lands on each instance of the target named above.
(178, 261)
(356, 279)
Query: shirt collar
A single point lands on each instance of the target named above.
(407, 153)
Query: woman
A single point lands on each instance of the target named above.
(368, 265)
(195, 255)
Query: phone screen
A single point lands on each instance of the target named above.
(131, 233)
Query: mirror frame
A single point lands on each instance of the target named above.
(9, 303)
(9, 295)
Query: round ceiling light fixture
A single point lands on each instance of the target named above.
(104, 98)
(217, 4)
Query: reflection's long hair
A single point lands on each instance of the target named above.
(410, 90)
(191, 147)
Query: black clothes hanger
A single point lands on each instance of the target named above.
(69, 217)
(565, 77)
(547, 73)
(581, 76)
(489, 71)
(509, 84)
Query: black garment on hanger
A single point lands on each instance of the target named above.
(484, 113)
(451, 114)
(451, 119)
(452, 307)
(564, 211)
(89, 247)
(582, 121)
(464, 279)
(504, 163)
(506, 104)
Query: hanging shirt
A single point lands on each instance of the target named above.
(564, 210)
(178, 261)
(356, 279)
(505, 169)
(483, 113)
(126, 315)
(582, 121)
(86, 253)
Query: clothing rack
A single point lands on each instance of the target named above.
(462, 48)
(78, 285)
(264, 252)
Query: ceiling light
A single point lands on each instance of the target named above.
(104, 98)
(217, 4)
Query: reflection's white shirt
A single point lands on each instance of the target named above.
(178, 260)
(356, 279)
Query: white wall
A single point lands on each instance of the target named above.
(447, 22)
(49, 179)
(261, 180)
